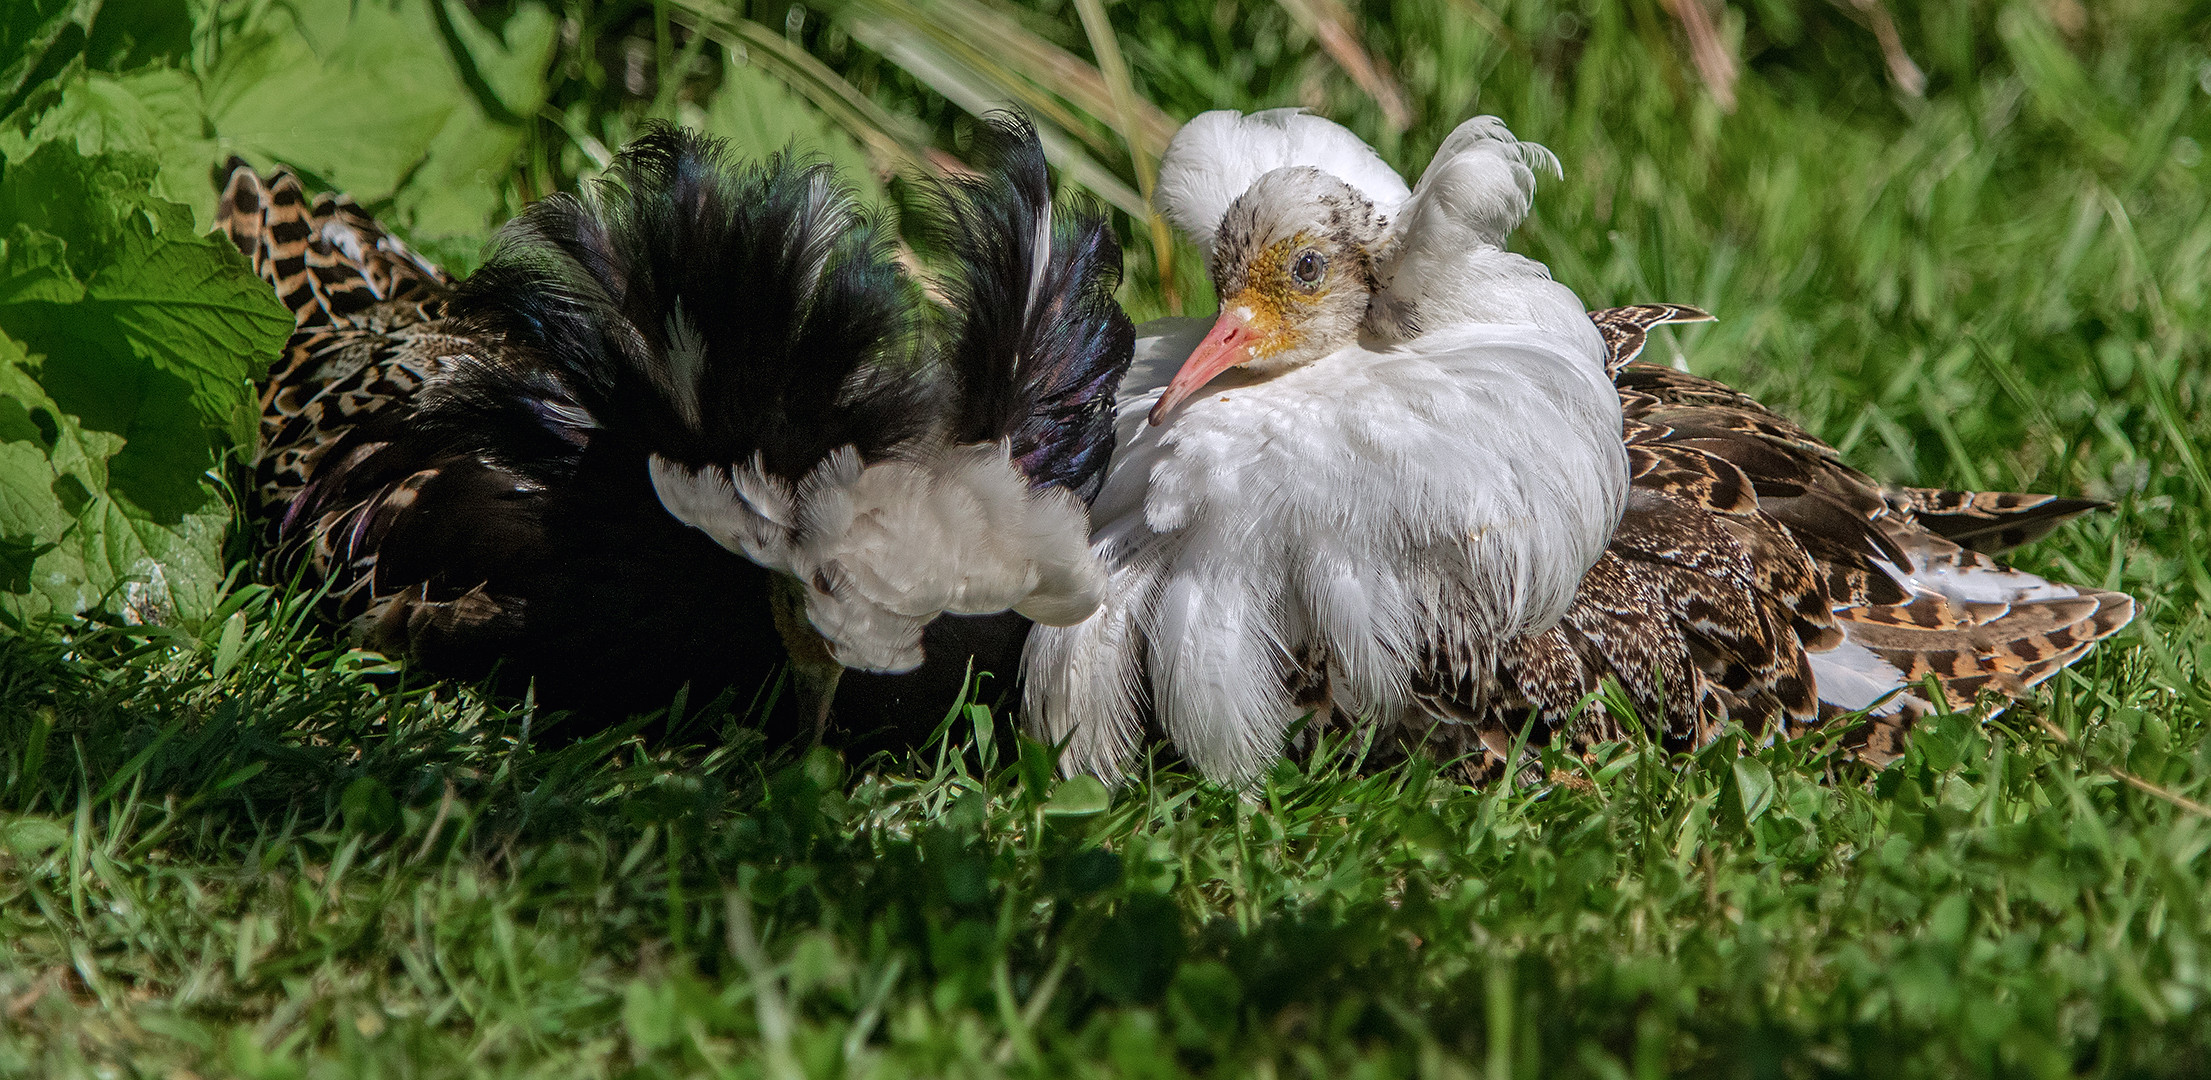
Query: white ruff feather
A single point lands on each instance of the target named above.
(1217, 156)
(885, 548)
(1443, 261)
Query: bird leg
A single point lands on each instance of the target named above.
(814, 671)
(1312, 695)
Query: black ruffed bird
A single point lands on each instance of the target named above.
(694, 423)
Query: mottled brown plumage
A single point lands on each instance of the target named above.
(369, 312)
(1748, 549)
(1627, 329)
(372, 330)
(1988, 521)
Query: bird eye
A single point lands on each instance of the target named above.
(1308, 268)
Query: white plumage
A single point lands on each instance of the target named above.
(884, 549)
(1443, 261)
(1392, 489)
(1218, 156)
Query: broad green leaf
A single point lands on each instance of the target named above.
(226, 649)
(29, 837)
(1079, 796)
(34, 266)
(156, 113)
(134, 33)
(152, 291)
(49, 466)
(32, 518)
(185, 305)
(79, 200)
(351, 94)
(649, 1014)
(128, 346)
(68, 543)
(420, 107)
(458, 191)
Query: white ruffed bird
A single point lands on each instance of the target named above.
(1405, 479)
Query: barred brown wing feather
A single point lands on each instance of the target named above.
(1836, 513)
(1688, 472)
(368, 312)
(367, 261)
(1974, 623)
(1708, 403)
(2006, 656)
(407, 538)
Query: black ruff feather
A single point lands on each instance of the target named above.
(720, 310)
(1033, 357)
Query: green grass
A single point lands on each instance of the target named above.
(259, 854)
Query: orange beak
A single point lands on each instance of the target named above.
(1225, 346)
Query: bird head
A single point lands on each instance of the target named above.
(1293, 262)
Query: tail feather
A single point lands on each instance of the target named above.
(1971, 624)
(1627, 329)
(327, 259)
(1038, 346)
(1884, 667)
(1989, 521)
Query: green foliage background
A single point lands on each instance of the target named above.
(230, 846)
(128, 344)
